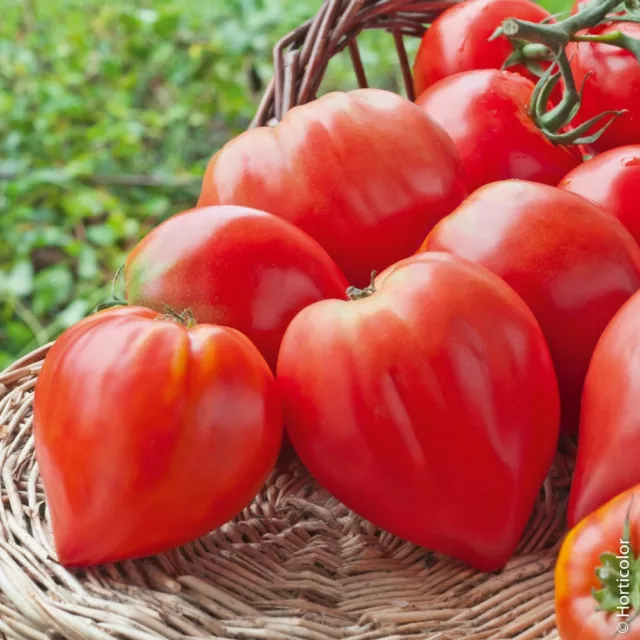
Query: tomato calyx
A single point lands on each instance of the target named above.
(528, 54)
(619, 575)
(527, 38)
(184, 318)
(354, 293)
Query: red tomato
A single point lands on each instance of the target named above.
(458, 40)
(596, 571)
(149, 434)
(574, 265)
(611, 78)
(364, 173)
(611, 180)
(234, 266)
(438, 417)
(609, 448)
(486, 113)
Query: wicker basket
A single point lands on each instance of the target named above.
(296, 563)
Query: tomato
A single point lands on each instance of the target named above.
(611, 78)
(611, 180)
(458, 40)
(573, 264)
(149, 434)
(596, 575)
(234, 266)
(365, 173)
(486, 113)
(609, 436)
(438, 417)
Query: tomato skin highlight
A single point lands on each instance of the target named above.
(149, 434)
(234, 266)
(365, 173)
(609, 433)
(458, 40)
(573, 264)
(489, 109)
(611, 180)
(441, 400)
(575, 577)
(611, 78)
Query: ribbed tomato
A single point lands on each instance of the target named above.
(149, 433)
(437, 418)
(365, 173)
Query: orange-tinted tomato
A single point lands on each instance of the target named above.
(602, 537)
(149, 434)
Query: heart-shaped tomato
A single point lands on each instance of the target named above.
(429, 406)
(149, 434)
(365, 173)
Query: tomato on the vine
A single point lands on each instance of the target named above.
(234, 266)
(150, 433)
(365, 173)
(611, 180)
(609, 435)
(486, 113)
(597, 576)
(438, 417)
(611, 79)
(573, 264)
(459, 40)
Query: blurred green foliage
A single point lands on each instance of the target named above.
(108, 115)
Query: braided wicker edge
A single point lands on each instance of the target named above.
(300, 59)
(296, 563)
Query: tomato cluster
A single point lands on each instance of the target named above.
(423, 296)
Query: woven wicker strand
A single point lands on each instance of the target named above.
(296, 563)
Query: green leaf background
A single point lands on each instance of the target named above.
(92, 92)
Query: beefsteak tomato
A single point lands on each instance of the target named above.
(609, 436)
(233, 266)
(611, 80)
(486, 113)
(459, 40)
(438, 418)
(149, 434)
(597, 575)
(365, 173)
(611, 180)
(573, 264)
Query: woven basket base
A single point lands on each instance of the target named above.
(295, 564)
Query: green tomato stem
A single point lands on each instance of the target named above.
(353, 293)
